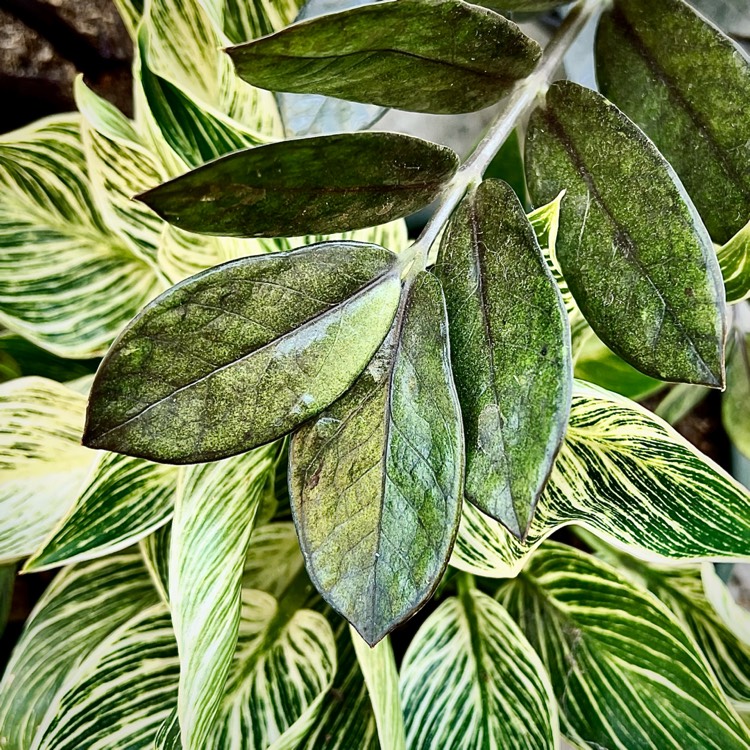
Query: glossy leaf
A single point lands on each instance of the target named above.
(241, 354)
(378, 666)
(628, 477)
(625, 672)
(510, 351)
(735, 406)
(688, 86)
(214, 515)
(734, 259)
(471, 680)
(121, 501)
(42, 463)
(376, 478)
(310, 185)
(440, 56)
(82, 606)
(631, 245)
(118, 696)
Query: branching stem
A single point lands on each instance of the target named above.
(519, 102)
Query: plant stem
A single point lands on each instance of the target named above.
(519, 102)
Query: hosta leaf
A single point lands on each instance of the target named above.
(628, 477)
(510, 351)
(122, 500)
(441, 56)
(735, 406)
(376, 478)
(688, 86)
(42, 463)
(282, 670)
(82, 606)
(66, 281)
(273, 558)
(378, 666)
(734, 259)
(214, 515)
(307, 186)
(345, 719)
(681, 589)
(471, 680)
(631, 245)
(240, 354)
(625, 672)
(117, 698)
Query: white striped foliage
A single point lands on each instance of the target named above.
(273, 558)
(82, 606)
(122, 500)
(118, 697)
(213, 519)
(471, 681)
(381, 678)
(735, 617)
(42, 462)
(628, 477)
(155, 552)
(67, 281)
(626, 674)
(734, 259)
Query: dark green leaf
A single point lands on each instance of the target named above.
(242, 353)
(510, 350)
(632, 247)
(440, 56)
(376, 479)
(688, 86)
(321, 185)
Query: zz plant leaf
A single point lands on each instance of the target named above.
(239, 355)
(376, 479)
(647, 65)
(439, 56)
(631, 245)
(510, 350)
(317, 185)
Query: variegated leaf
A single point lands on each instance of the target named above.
(118, 697)
(121, 501)
(625, 672)
(284, 665)
(734, 259)
(83, 605)
(470, 680)
(378, 666)
(732, 614)
(67, 282)
(249, 19)
(273, 558)
(155, 552)
(42, 462)
(214, 515)
(628, 477)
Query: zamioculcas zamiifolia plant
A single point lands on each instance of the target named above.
(306, 429)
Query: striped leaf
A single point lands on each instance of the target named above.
(42, 463)
(381, 678)
(118, 697)
(735, 405)
(82, 606)
(470, 680)
(628, 477)
(214, 516)
(67, 282)
(734, 259)
(626, 674)
(155, 552)
(282, 670)
(682, 589)
(273, 558)
(243, 20)
(121, 501)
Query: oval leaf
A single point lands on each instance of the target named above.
(239, 355)
(470, 680)
(510, 351)
(626, 674)
(331, 183)
(440, 56)
(632, 247)
(688, 86)
(376, 479)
